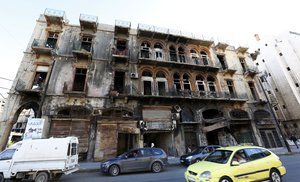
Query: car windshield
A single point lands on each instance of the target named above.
(197, 150)
(219, 156)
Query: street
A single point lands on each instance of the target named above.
(174, 174)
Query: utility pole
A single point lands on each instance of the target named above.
(273, 114)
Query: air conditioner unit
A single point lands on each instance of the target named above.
(134, 75)
(177, 108)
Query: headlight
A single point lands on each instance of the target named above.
(105, 164)
(189, 157)
(205, 174)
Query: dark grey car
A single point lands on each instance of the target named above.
(197, 154)
(141, 159)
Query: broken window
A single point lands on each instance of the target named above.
(222, 61)
(186, 83)
(173, 55)
(40, 77)
(119, 82)
(51, 40)
(176, 79)
(181, 55)
(79, 80)
(204, 57)
(86, 43)
(158, 49)
(243, 64)
(253, 90)
(194, 56)
(231, 88)
(145, 50)
(200, 85)
(147, 82)
(120, 48)
(161, 83)
(211, 86)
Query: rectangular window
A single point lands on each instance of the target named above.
(86, 43)
(243, 64)
(52, 39)
(119, 82)
(40, 77)
(222, 61)
(147, 88)
(231, 88)
(79, 80)
(253, 90)
(161, 88)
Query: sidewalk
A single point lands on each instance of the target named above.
(95, 166)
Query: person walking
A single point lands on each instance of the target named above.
(294, 139)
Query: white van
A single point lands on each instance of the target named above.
(39, 159)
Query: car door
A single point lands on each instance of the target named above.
(6, 160)
(130, 161)
(144, 159)
(259, 163)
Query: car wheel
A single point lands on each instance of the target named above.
(41, 177)
(225, 179)
(114, 170)
(156, 167)
(275, 176)
(1, 178)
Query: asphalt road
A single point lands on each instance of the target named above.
(173, 174)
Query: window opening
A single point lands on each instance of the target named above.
(253, 91)
(243, 64)
(177, 85)
(173, 56)
(119, 81)
(186, 82)
(161, 83)
(181, 55)
(222, 61)
(40, 77)
(120, 47)
(145, 48)
(231, 88)
(86, 43)
(204, 57)
(51, 40)
(200, 85)
(158, 51)
(211, 86)
(79, 80)
(147, 88)
(194, 57)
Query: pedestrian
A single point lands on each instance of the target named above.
(294, 139)
(152, 145)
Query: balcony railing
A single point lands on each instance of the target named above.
(82, 50)
(42, 46)
(251, 71)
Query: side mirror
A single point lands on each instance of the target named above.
(235, 163)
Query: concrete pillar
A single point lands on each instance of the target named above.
(5, 135)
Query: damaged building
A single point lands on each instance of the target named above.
(117, 87)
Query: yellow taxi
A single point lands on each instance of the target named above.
(237, 164)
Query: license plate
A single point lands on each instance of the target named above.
(191, 179)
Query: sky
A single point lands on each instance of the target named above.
(235, 21)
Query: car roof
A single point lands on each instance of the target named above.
(238, 147)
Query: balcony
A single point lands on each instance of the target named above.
(55, 17)
(251, 71)
(122, 27)
(35, 91)
(81, 50)
(222, 45)
(182, 61)
(224, 96)
(229, 70)
(242, 49)
(88, 22)
(120, 56)
(42, 46)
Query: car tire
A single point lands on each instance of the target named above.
(41, 177)
(275, 176)
(156, 167)
(225, 179)
(114, 170)
(1, 178)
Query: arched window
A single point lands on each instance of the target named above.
(186, 84)
(194, 56)
(181, 55)
(176, 80)
(158, 50)
(161, 82)
(145, 50)
(173, 55)
(204, 57)
(212, 86)
(200, 85)
(147, 82)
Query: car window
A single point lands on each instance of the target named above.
(156, 151)
(219, 156)
(240, 156)
(255, 153)
(145, 152)
(7, 154)
(198, 150)
(132, 154)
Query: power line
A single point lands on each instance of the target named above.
(6, 79)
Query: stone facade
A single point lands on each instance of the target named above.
(117, 88)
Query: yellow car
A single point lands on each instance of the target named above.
(235, 164)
